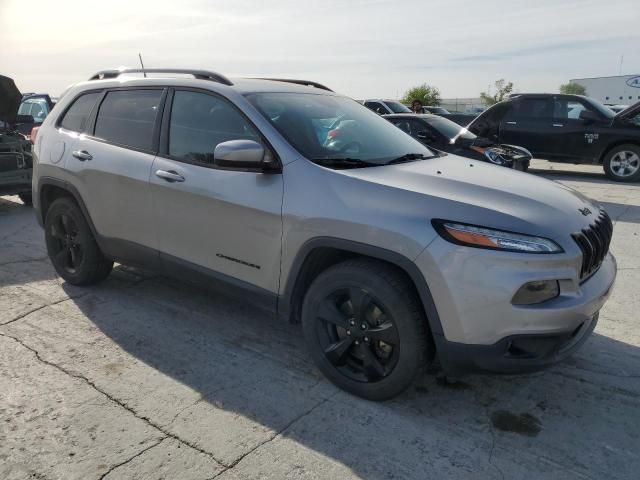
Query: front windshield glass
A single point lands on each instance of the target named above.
(397, 107)
(325, 127)
(448, 128)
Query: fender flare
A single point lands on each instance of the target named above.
(397, 259)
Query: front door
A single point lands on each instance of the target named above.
(576, 139)
(220, 221)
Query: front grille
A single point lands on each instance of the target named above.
(594, 243)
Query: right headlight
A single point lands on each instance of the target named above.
(483, 237)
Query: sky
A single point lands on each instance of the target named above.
(364, 49)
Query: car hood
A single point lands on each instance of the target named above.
(455, 188)
(629, 111)
(10, 98)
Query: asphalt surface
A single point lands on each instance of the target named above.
(143, 377)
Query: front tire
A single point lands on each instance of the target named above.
(622, 163)
(365, 328)
(71, 246)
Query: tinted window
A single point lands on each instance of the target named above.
(199, 122)
(127, 117)
(533, 108)
(325, 127)
(76, 117)
(448, 128)
(376, 107)
(568, 109)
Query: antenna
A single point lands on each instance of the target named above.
(142, 65)
(621, 61)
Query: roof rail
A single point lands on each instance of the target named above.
(199, 74)
(298, 82)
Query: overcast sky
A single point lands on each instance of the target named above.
(374, 48)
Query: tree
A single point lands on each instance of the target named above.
(503, 89)
(572, 89)
(427, 94)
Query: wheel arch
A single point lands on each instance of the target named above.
(50, 189)
(615, 144)
(318, 254)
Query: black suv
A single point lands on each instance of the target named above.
(567, 128)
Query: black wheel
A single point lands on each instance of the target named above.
(622, 163)
(365, 328)
(71, 246)
(26, 198)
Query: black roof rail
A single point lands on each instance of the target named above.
(306, 83)
(199, 74)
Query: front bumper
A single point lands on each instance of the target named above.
(479, 328)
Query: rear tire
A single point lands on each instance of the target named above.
(622, 163)
(26, 198)
(376, 350)
(71, 246)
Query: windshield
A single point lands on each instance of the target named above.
(324, 127)
(397, 107)
(449, 129)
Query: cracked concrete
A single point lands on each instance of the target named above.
(142, 377)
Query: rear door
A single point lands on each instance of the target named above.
(112, 165)
(528, 123)
(225, 223)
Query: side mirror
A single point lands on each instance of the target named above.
(589, 116)
(241, 154)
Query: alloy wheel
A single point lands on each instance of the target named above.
(66, 246)
(625, 163)
(358, 335)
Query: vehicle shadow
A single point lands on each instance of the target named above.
(236, 362)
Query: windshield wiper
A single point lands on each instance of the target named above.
(347, 162)
(409, 157)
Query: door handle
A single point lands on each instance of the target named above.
(169, 176)
(558, 125)
(82, 155)
(512, 123)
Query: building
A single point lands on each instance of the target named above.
(618, 90)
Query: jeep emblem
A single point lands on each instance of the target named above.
(585, 211)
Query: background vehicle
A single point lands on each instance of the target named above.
(38, 106)
(444, 135)
(435, 110)
(567, 128)
(382, 107)
(15, 148)
(386, 254)
(617, 108)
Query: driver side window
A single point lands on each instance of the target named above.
(568, 109)
(199, 122)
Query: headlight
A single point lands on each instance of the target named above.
(495, 156)
(481, 237)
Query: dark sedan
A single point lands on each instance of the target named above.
(441, 134)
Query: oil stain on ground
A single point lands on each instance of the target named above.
(523, 424)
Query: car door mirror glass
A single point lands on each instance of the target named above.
(240, 154)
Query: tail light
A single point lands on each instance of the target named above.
(33, 135)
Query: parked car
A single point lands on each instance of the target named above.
(567, 128)
(616, 108)
(38, 105)
(389, 255)
(15, 148)
(382, 107)
(435, 110)
(446, 136)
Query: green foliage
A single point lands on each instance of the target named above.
(572, 89)
(427, 94)
(503, 89)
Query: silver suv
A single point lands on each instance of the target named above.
(390, 256)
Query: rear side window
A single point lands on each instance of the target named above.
(75, 119)
(199, 122)
(127, 117)
(533, 108)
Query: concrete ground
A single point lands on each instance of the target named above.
(142, 377)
